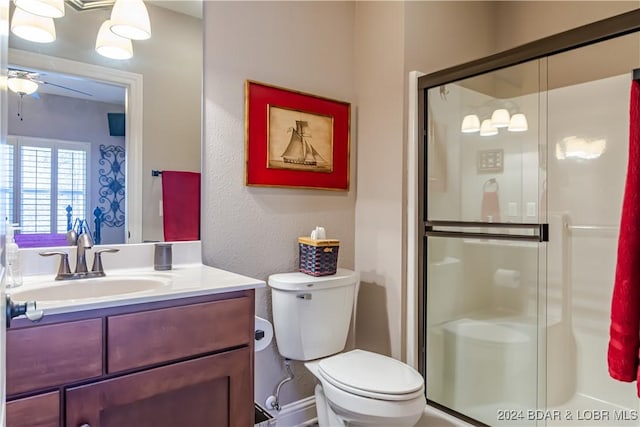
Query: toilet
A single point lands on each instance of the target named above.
(311, 317)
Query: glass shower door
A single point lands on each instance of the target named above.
(485, 244)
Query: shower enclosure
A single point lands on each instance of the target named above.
(523, 177)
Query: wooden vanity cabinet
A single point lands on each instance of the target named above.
(185, 362)
(207, 391)
(42, 410)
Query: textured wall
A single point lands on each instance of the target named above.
(306, 46)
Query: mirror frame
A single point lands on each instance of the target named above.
(132, 82)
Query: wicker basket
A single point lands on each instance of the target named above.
(318, 257)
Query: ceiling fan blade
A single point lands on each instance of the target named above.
(66, 88)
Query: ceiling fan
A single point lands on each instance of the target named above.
(24, 82)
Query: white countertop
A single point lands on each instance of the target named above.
(184, 280)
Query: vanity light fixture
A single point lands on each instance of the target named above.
(112, 45)
(470, 124)
(22, 86)
(487, 128)
(32, 27)
(518, 123)
(500, 118)
(46, 8)
(130, 19)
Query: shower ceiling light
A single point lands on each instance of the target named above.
(470, 124)
(130, 19)
(32, 27)
(487, 128)
(500, 118)
(46, 8)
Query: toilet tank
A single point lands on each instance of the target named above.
(311, 315)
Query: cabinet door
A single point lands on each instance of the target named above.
(42, 410)
(209, 391)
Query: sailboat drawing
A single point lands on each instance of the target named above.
(300, 150)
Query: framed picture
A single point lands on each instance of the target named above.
(295, 139)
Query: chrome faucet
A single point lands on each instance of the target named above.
(82, 241)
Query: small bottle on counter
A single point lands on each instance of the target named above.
(14, 273)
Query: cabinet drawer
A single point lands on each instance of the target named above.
(37, 411)
(51, 355)
(156, 336)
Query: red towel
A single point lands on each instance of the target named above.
(181, 205)
(624, 334)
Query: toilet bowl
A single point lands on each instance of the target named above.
(356, 388)
(367, 389)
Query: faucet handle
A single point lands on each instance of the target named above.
(63, 268)
(97, 259)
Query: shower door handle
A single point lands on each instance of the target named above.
(455, 229)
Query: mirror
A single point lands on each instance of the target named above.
(162, 84)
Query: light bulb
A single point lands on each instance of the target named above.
(112, 45)
(32, 27)
(22, 86)
(487, 128)
(518, 123)
(130, 19)
(500, 118)
(470, 124)
(46, 8)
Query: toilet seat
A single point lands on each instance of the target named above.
(372, 375)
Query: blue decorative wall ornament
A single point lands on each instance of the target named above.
(111, 180)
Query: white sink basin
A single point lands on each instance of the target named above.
(85, 289)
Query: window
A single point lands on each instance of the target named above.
(6, 179)
(49, 175)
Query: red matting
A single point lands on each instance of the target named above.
(258, 98)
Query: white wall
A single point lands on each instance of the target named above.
(305, 46)
(590, 191)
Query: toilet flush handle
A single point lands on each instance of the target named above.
(304, 296)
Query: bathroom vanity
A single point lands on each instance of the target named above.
(178, 356)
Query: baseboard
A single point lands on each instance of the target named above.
(301, 413)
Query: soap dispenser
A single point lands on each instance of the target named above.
(14, 273)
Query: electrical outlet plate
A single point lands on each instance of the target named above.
(531, 209)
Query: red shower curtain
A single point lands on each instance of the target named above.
(624, 334)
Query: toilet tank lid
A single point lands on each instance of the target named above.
(297, 281)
